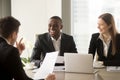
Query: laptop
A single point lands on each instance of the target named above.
(79, 63)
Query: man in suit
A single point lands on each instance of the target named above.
(53, 40)
(10, 62)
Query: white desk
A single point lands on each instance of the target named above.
(102, 74)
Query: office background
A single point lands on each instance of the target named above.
(79, 17)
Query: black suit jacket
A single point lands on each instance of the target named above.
(44, 45)
(96, 44)
(10, 63)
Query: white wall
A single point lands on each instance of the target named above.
(34, 16)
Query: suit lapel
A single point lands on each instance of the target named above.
(110, 50)
(62, 45)
(50, 43)
(100, 47)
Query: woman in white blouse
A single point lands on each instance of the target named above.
(106, 43)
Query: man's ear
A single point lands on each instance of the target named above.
(61, 26)
(13, 35)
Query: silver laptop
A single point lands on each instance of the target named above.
(79, 63)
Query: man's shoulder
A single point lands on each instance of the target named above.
(11, 48)
(5, 45)
(7, 49)
(66, 35)
(95, 34)
(43, 35)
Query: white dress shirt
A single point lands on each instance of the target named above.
(105, 44)
(56, 43)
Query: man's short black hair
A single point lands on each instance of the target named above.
(57, 17)
(8, 25)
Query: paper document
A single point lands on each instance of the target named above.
(113, 68)
(47, 65)
(59, 68)
(60, 59)
(98, 64)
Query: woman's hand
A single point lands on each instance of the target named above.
(20, 46)
(51, 77)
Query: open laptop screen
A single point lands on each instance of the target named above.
(80, 63)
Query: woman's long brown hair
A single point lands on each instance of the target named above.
(109, 20)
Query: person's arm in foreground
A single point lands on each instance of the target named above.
(51, 77)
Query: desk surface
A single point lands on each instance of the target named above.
(102, 74)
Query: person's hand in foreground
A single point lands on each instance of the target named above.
(20, 46)
(51, 77)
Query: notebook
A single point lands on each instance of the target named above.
(79, 63)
